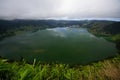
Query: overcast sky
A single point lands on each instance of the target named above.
(59, 9)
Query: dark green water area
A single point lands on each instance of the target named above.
(61, 45)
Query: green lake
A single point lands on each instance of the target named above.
(61, 45)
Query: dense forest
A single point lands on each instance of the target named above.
(13, 27)
(111, 27)
(108, 27)
(12, 24)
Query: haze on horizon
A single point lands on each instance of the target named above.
(60, 9)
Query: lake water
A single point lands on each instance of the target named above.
(62, 45)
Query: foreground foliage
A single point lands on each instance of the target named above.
(102, 70)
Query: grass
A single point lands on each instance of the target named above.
(103, 70)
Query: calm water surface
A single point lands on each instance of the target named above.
(63, 45)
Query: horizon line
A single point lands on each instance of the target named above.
(75, 19)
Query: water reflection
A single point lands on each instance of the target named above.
(64, 45)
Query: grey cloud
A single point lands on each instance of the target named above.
(43, 9)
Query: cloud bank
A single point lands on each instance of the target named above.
(59, 9)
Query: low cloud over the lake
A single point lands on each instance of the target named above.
(59, 9)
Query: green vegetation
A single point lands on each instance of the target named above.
(116, 37)
(103, 28)
(102, 70)
(16, 31)
(109, 30)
